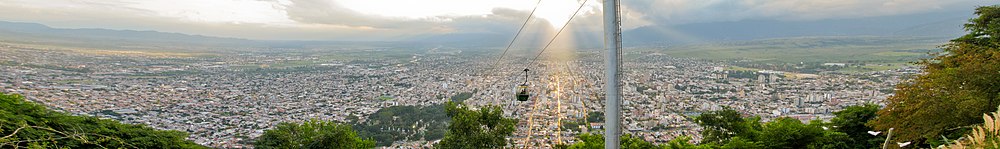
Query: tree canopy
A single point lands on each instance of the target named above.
(851, 121)
(721, 125)
(27, 124)
(727, 129)
(312, 134)
(483, 128)
(596, 141)
(958, 85)
(409, 123)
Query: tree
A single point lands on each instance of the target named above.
(788, 133)
(596, 141)
(958, 85)
(312, 134)
(589, 141)
(684, 143)
(740, 143)
(24, 124)
(720, 126)
(483, 128)
(832, 140)
(851, 121)
(595, 117)
(730, 130)
(404, 123)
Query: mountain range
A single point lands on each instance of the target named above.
(940, 24)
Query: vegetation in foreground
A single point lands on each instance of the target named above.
(469, 128)
(483, 128)
(403, 123)
(957, 87)
(312, 134)
(728, 129)
(986, 135)
(945, 102)
(24, 124)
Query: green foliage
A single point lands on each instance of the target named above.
(398, 123)
(596, 141)
(483, 128)
(595, 117)
(721, 125)
(741, 143)
(834, 140)
(684, 143)
(312, 134)
(589, 141)
(461, 97)
(851, 121)
(573, 125)
(787, 133)
(957, 86)
(627, 141)
(26, 124)
(730, 130)
(785, 54)
(742, 74)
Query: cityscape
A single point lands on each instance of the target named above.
(224, 101)
(512, 74)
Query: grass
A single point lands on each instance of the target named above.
(899, 54)
(738, 68)
(385, 98)
(111, 51)
(873, 67)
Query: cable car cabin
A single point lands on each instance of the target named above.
(522, 92)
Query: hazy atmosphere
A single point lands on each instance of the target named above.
(374, 20)
(480, 74)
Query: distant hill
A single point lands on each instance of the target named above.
(849, 49)
(946, 24)
(16, 31)
(34, 33)
(939, 24)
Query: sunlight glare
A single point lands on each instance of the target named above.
(557, 12)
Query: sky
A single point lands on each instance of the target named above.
(403, 19)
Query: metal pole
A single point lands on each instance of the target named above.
(612, 42)
(888, 136)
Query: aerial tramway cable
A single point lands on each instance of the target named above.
(512, 41)
(530, 120)
(517, 34)
(557, 33)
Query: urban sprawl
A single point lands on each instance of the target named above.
(228, 99)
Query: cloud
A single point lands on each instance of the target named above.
(689, 11)
(329, 12)
(500, 20)
(330, 20)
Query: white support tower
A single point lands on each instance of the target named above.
(612, 105)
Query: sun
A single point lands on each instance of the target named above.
(557, 12)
